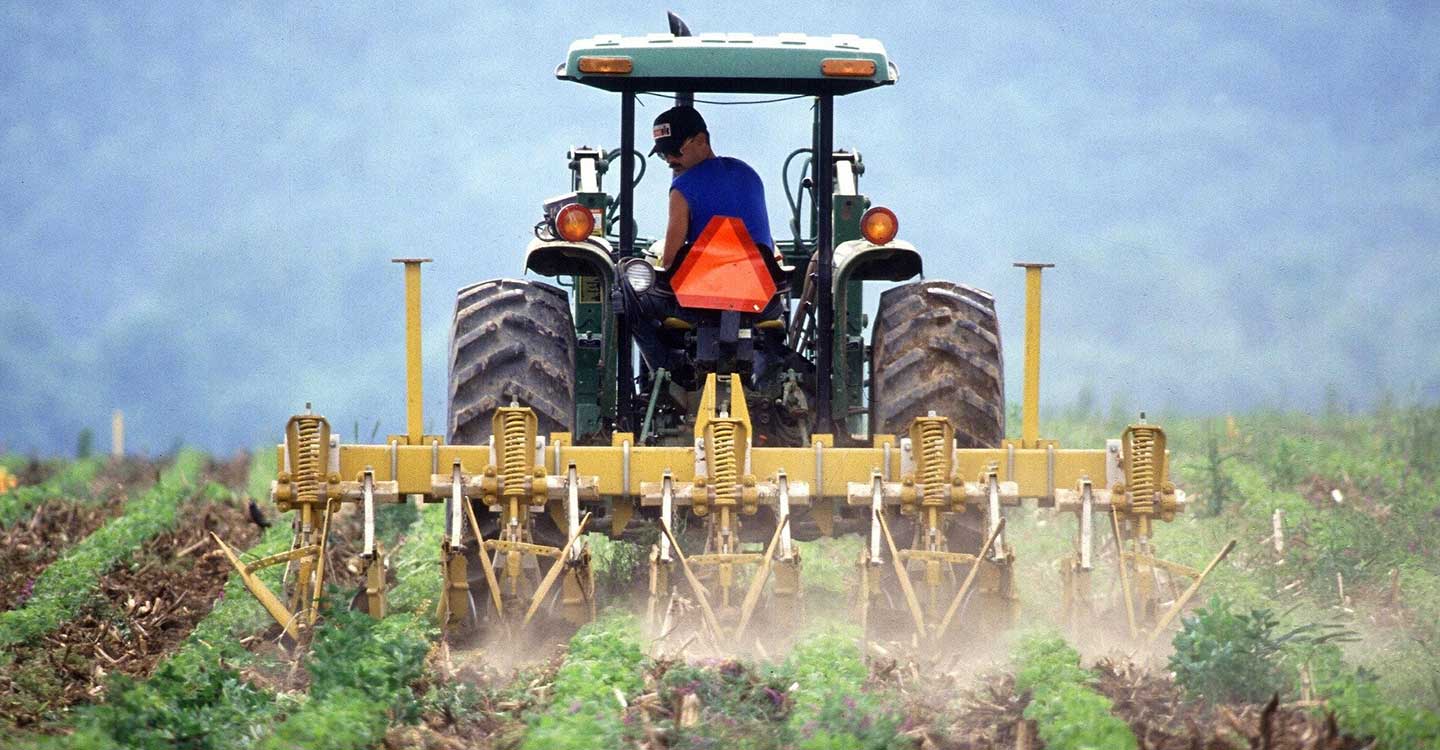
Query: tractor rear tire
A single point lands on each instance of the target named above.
(511, 340)
(936, 347)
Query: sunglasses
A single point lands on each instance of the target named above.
(675, 152)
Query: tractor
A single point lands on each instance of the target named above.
(894, 430)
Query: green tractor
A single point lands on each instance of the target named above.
(564, 350)
(898, 435)
(934, 347)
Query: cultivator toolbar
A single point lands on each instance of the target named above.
(518, 508)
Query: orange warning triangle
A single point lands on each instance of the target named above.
(724, 270)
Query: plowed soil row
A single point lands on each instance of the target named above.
(939, 712)
(29, 546)
(1163, 720)
(943, 716)
(144, 611)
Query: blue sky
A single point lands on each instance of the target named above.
(198, 201)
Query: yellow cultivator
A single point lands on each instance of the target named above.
(909, 493)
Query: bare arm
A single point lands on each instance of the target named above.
(676, 228)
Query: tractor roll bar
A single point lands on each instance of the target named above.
(824, 241)
(624, 399)
(824, 175)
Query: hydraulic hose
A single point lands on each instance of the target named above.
(798, 197)
(614, 206)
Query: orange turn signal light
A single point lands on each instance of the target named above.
(879, 225)
(574, 222)
(848, 68)
(606, 65)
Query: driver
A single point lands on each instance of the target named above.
(704, 186)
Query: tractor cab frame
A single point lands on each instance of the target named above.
(830, 263)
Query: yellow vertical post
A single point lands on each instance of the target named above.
(117, 434)
(414, 382)
(1030, 416)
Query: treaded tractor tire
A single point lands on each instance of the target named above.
(511, 340)
(936, 347)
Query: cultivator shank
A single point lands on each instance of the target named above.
(721, 491)
(309, 484)
(515, 489)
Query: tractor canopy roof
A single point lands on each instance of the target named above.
(730, 63)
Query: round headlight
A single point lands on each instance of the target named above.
(639, 273)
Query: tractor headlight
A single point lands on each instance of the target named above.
(574, 223)
(879, 225)
(638, 273)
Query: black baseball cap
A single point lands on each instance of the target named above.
(674, 126)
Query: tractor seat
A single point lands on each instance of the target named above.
(677, 324)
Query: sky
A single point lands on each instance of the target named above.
(199, 201)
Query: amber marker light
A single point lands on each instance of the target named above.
(879, 225)
(574, 222)
(848, 68)
(607, 65)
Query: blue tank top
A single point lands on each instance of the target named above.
(725, 186)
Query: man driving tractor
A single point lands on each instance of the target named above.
(706, 188)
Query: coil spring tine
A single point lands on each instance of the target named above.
(725, 470)
(308, 475)
(932, 452)
(1143, 466)
(512, 453)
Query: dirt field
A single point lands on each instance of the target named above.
(675, 691)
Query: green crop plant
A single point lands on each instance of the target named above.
(828, 568)
(739, 706)
(361, 669)
(69, 583)
(1362, 711)
(379, 658)
(417, 563)
(615, 563)
(1223, 655)
(1068, 713)
(71, 481)
(198, 703)
(1215, 484)
(1416, 435)
(236, 613)
(221, 710)
(831, 709)
(730, 690)
(604, 659)
(361, 672)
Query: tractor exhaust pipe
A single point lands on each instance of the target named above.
(679, 28)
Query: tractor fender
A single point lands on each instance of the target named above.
(562, 258)
(861, 260)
